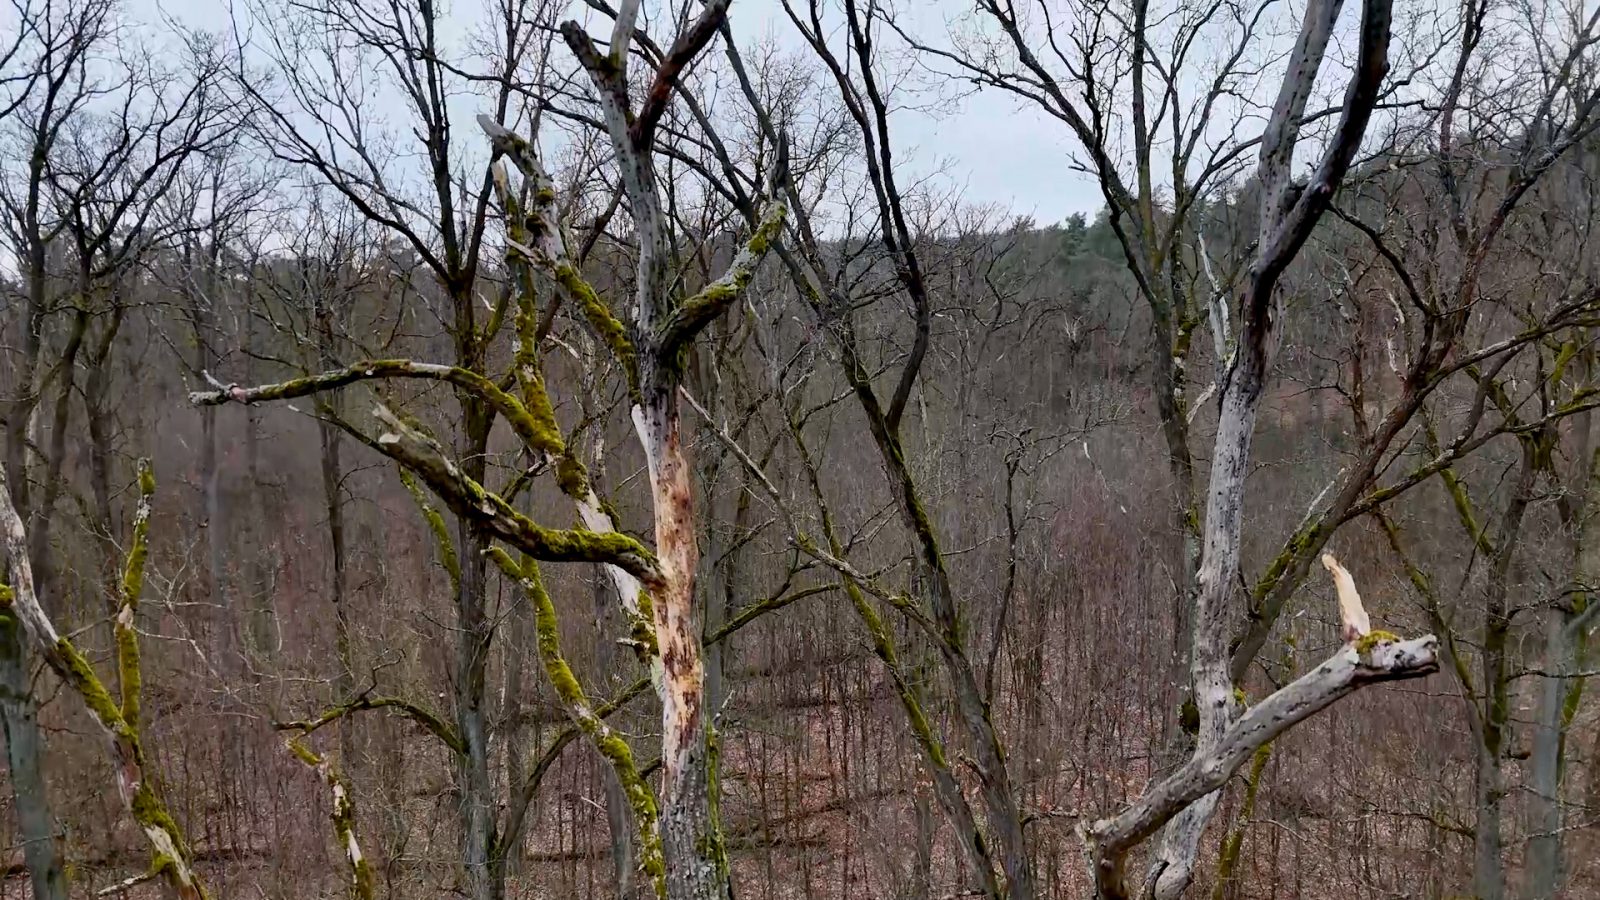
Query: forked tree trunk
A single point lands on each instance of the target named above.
(1286, 220)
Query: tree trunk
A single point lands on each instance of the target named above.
(24, 755)
(1183, 516)
(619, 818)
(608, 607)
(473, 639)
(1211, 680)
(1488, 870)
(1550, 723)
(203, 320)
(329, 442)
(1564, 653)
(474, 782)
(258, 605)
(512, 713)
(1489, 788)
(43, 518)
(690, 838)
(95, 390)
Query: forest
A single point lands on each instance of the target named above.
(532, 449)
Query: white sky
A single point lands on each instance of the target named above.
(990, 149)
(996, 149)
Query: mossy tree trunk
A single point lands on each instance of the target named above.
(119, 717)
(663, 327)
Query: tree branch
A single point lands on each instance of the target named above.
(1354, 666)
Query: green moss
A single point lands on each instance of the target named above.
(610, 744)
(90, 688)
(1234, 843)
(537, 427)
(362, 888)
(1371, 639)
(150, 812)
(441, 531)
(470, 499)
(344, 817)
(642, 628)
(571, 476)
(1239, 697)
(716, 848)
(580, 545)
(130, 675)
(304, 753)
(1299, 544)
(133, 570)
(606, 325)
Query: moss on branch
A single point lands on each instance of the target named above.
(470, 500)
(696, 312)
(601, 319)
(343, 815)
(445, 544)
(430, 721)
(129, 673)
(611, 745)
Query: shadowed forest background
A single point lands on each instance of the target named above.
(587, 461)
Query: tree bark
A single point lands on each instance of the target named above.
(473, 777)
(1558, 693)
(689, 838)
(1489, 787)
(25, 758)
(332, 469)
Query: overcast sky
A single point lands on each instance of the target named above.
(989, 148)
(994, 148)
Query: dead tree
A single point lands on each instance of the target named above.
(681, 842)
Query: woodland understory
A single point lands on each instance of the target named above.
(529, 449)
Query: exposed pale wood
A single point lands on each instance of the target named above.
(1353, 621)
